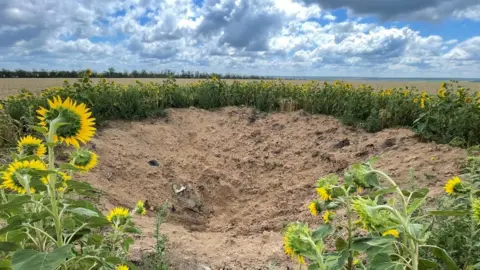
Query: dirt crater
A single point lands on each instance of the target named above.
(234, 178)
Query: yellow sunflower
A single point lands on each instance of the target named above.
(451, 184)
(327, 216)
(323, 193)
(292, 231)
(118, 213)
(122, 267)
(140, 208)
(10, 176)
(391, 232)
(30, 145)
(313, 208)
(79, 125)
(84, 160)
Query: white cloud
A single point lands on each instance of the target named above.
(271, 37)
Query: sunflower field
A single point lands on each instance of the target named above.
(450, 116)
(366, 220)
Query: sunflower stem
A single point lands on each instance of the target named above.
(53, 179)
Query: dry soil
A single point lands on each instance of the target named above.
(244, 176)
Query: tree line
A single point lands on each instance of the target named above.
(112, 73)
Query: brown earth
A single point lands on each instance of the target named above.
(245, 175)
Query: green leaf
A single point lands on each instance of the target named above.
(381, 241)
(8, 246)
(114, 260)
(424, 264)
(417, 194)
(5, 265)
(42, 130)
(98, 222)
(441, 254)
(322, 231)
(340, 244)
(83, 211)
(34, 260)
(16, 202)
(69, 167)
(15, 236)
(449, 213)
(133, 229)
(12, 226)
(414, 205)
(361, 244)
(382, 191)
(127, 243)
(95, 240)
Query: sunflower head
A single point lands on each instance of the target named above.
(84, 160)
(77, 125)
(140, 208)
(327, 216)
(12, 177)
(118, 215)
(315, 207)
(122, 267)
(295, 241)
(30, 146)
(391, 232)
(371, 219)
(454, 185)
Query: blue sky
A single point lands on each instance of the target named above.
(378, 38)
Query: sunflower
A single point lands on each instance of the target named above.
(84, 160)
(140, 208)
(422, 103)
(62, 180)
(79, 125)
(391, 232)
(451, 184)
(476, 210)
(323, 193)
(10, 176)
(122, 267)
(295, 233)
(442, 93)
(327, 216)
(30, 145)
(118, 213)
(313, 208)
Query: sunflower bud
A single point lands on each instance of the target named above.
(140, 208)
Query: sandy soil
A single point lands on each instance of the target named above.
(245, 175)
(10, 86)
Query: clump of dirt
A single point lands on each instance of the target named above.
(234, 178)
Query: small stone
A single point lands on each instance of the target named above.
(153, 163)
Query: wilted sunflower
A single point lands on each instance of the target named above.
(79, 125)
(10, 177)
(122, 267)
(391, 232)
(451, 184)
(140, 208)
(84, 160)
(118, 213)
(30, 145)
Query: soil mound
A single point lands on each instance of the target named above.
(234, 178)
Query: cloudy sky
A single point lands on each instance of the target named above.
(391, 38)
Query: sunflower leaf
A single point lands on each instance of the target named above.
(69, 167)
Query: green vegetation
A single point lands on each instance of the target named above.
(451, 116)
